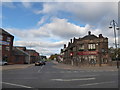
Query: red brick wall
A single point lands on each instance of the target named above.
(6, 53)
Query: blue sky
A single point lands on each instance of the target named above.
(23, 17)
(45, 26)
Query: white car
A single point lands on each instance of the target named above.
(3, 63)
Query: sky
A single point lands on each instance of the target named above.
(47, 26)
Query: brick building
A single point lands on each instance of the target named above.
(87, 50)
(20, 56)
(6, 45)
(26, 55)
(34, 56)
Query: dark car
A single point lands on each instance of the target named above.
(39, 63)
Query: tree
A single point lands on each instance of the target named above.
(113, 52)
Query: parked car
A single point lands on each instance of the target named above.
(3, 63)
(39, 63)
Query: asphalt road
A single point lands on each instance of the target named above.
(50, 77)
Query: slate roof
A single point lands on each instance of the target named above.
(88, 37)
(17, 51)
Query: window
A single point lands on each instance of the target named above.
(91, 46)
(7, 48)
(1, 37)
(8, 39)
(81, 47)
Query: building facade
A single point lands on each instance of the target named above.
(6, 45)
(34, 56)
(89, 50)
(20, 56)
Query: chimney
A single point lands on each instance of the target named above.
(74, 38)
(70, 40)
(61, 50)
(64, 45)
(89, 32)
(100, 36)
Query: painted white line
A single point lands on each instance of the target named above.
(96, 83)
(75, 71)
(40, 69)
(16, 85)
(73, 79)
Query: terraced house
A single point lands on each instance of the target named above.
(88, 50)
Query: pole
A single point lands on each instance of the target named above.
(115, 44)
(99, 53)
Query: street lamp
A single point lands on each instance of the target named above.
(114, 25)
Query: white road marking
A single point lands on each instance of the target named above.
(16, 85)
(96, 83)
(73, 79)
(40, 69)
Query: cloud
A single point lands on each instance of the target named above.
(29, 33)
(63, 29)
(42, 20)
(26, 4)
(93, 13)
(44, 48)
(40, 43)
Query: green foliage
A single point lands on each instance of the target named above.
(113, 53)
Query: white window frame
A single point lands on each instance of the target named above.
(91, 46)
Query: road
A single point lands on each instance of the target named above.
(50, 77)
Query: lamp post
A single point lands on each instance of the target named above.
(99, 52)
(114, 25)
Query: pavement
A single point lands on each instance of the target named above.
(66, 66)
(15, 66)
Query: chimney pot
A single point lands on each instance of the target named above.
(89, 32)
(71, 40)
(64, 45)
(100, 36)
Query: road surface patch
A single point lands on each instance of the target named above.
(40, 69)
